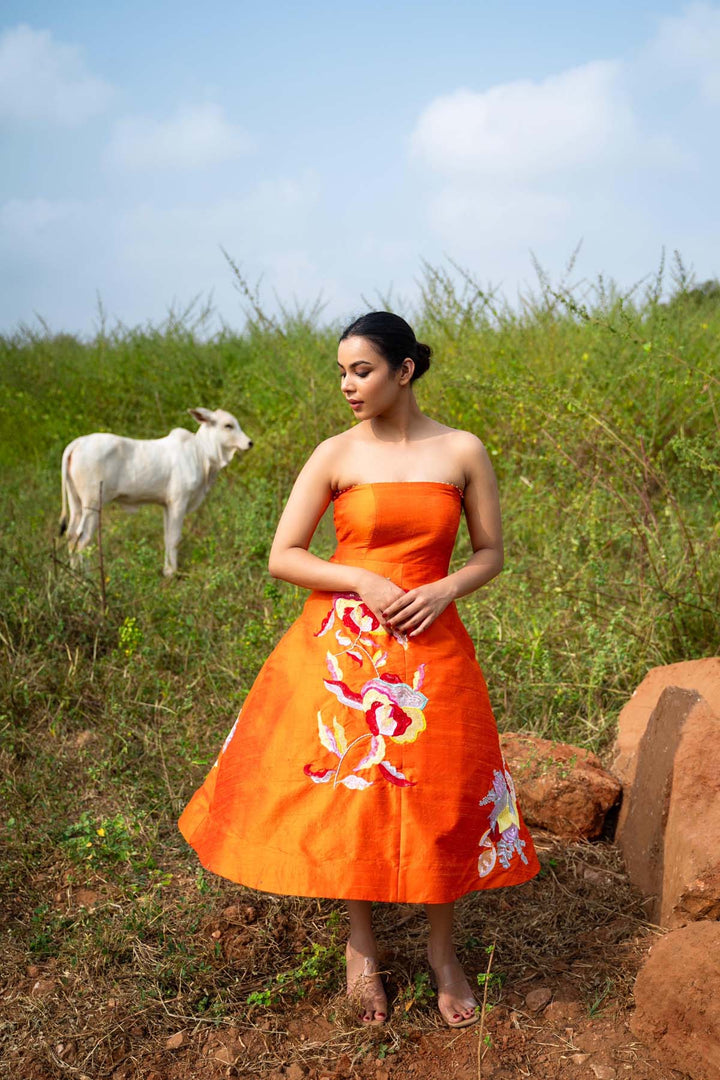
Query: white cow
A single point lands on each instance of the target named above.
(175, 472)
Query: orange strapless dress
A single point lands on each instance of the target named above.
(365, 765)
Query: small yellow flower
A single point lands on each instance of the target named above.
(89, 843)
(100, 832)
(586, 356)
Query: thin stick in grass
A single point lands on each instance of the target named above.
(486, 983)
(103, 596)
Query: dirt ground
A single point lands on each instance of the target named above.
(565, 951)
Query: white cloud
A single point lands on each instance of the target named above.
(527, 129)
(538, 166)
(197, 136)
(689, 44)
(143, 258)
(491, 217)
(26, 219)
(43, 79)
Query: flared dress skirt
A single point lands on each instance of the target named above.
(365, 764)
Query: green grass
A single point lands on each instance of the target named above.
(601, 415)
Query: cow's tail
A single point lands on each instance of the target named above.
(63, 487)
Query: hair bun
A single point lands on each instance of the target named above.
(424, 352)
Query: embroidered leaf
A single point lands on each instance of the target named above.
(326, 623)
(343, 693)
(419, 677)
(326, 737)
(341, 638)
(356, 656)
(394, 775)
(333, 666)
(356, 783)
(340, 738)
(375, 754)
(487, 860)
(367, 642)
(319, 776)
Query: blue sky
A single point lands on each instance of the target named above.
(332, 148)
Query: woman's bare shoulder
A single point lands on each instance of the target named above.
(329, 448)
(463, 442)
(329, 456)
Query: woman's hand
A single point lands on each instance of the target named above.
(417, 609)
(379, 593)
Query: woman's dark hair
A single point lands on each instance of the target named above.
(393, 338)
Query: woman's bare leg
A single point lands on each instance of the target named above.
(455, 997)
(363, 980)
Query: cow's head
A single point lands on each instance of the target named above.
(220, 432)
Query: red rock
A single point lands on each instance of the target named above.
(559, 1011)
(226, 1055)
(538, 999)
(691, 880)
(672, 811)
(640, 834)
(702, 676)
(561, 788)
(677, 1000)
(175, 1041)
(43, 987)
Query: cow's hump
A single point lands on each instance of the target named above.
(181, 434)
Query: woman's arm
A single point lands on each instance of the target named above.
(418, 608)
(289, 555)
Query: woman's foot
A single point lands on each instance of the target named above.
(456, 1001)
(364, 986)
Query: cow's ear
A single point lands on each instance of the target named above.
(203, 416)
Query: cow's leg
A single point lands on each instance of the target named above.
(86, 528)
(74, 515)
(174, 514)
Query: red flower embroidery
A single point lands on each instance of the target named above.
(392, 710)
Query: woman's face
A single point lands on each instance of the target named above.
(370, 386)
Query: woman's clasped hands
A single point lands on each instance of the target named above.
(407, 612)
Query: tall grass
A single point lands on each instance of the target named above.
(600, 411)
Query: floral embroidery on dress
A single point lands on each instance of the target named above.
(392, 711)
(356, 617)
(502, 838)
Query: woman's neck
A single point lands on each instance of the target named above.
(401, 423)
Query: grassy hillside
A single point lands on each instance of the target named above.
(601, 415)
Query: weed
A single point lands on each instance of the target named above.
(317, 967)
(420, 992)
(109, 840)
(602, 994)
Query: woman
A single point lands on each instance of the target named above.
(365, 762)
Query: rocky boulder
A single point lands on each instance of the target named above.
(669, 830)
(677, 1000)
(560, 787)
(702, 676)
